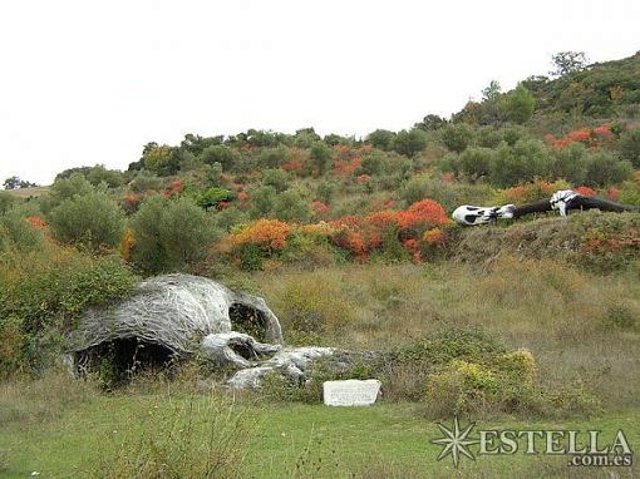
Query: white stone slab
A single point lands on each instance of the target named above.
(352, 392)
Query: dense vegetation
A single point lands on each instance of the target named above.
(468, 320)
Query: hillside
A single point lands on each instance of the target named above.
(531, 322)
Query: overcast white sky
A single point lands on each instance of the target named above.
(85, 82)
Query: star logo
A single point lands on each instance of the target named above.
(455, 442)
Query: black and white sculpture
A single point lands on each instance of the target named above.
(562, 201)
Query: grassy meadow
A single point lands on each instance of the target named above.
(580, 327)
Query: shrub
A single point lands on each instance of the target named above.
(273, 157)
(276, 178)
(604, 168)
(160, 159)
(382, 139)
(523, 162)
(410, 142)
(170, 235)
(570, 163)
(506, 383)
(146, 181)
(16, 234)
(308, 313)
(92, 220)
(42, 297)
(212, 197)
(630, 146)
(290, 206)
(65, 189)
(269, 235)
(321, 156)
(264, 199)
(7, 200)
(476, 162)
(457, 137)
(409, 366)
(375, 163)
(220, 154)
(517, 105)
(99, 174)
(529, 192)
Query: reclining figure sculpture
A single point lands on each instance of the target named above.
(562, 201)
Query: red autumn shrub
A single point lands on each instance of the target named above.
(175, 188)
(423, 214)
(319, 207)
(613, 193)
(585, 191)
(590, 137)
(37, 222)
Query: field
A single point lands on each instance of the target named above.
(580, 327)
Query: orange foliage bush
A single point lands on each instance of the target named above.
(590, 137)
(423, 214)
(533, 191)
(127, 244)
(585, 191)
(434, 238)
(131, 202)
(176, 187)
(361, 236)
(37, 222)
(268, 234)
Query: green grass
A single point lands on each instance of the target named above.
(579, 327)
(386, 440)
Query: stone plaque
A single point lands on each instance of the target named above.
(351, 392)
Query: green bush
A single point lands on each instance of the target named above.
(276, 178)
(523, 162)
(457, 137)
(146, 181)
(476, 162)
(604, 168)
(65, 188)
(273, 157)
(221, 154)
(93, 220)
(211, 197)
(375, 163)
(263, 201)
(17, 235)
(7, 200)
(170, 235)
(518, 105)
(504, 383)
(570, 163)
(320, 155)
(44, 293)
(410, 142)
(630, 146)
(290, 206)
